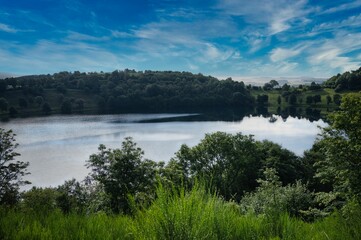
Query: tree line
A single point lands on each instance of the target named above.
(346, 81)
(120, 91)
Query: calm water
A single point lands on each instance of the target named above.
(58, 146)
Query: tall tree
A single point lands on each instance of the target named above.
(123, 173)
(341, 144)
(11, 171)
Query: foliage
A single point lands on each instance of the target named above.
(128, 91)
(123, 172)
(233, 163)
(194, 214)
(3, 105)
(46, 108)
(39, 200)
(273, 199)
(346, 81)
(341, 143)
(11, 171)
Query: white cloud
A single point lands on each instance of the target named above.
(7, 28)
(277, 15)
(350, 22)
(75, 36)
(46, 56)
(343, 7)
(334, 53)
(281, 54)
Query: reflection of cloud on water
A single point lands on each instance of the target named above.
(140, 136)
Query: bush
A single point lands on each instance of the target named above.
(272, 199)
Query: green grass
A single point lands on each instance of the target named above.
(51, 96)
(177, 215)
(322, 106)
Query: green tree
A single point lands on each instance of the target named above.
(12, 111)
(232, 163)
(11, 171)
(39, 100)
(23, 103)
(46, 108)
(40, 201)
(71, 197)
(79, 103)
(279, 100)
(66, 107)
(293, 99)
(229, 163)
(123, 173)
(309, 99)
(3, 105)
(272, 199)
(341, 144)
(337, 99)
(328, 99)
(3, 85)
(317, 98)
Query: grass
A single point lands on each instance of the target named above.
(196, 214)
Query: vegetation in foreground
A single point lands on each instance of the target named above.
(194, 214)
(226, 187)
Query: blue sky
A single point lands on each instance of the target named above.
(238, 38)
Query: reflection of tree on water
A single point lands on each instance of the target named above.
(232, 114)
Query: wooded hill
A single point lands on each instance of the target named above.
(127, 90)
(346, 81)
(120, 91)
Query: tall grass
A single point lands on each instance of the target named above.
(194, 214)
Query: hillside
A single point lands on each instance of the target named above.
(346, 81)
(119, 91)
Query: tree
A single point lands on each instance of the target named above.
(337, 99)
(231, 164)
(341, 143)
(39, 100)
(279, 100)
(228, 163)
(3, 85)
(11, 171)
(66, 107)
(328, 99)
(23, 103)
(309, 99)
(3, 105)
(123, 173)
(46, 108)
(293, 99)
(79, 104)
(272, 199)
(12, 111)
(317, 98)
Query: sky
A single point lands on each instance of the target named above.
(222, 38)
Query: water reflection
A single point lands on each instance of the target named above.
(57, 147)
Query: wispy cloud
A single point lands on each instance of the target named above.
(335, 53)
(277, 15)
(343, 7)
(7, 28)
(221, 37)
(47, 56)
(280, 54)
(348, 23)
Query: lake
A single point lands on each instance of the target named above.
(57, 147)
